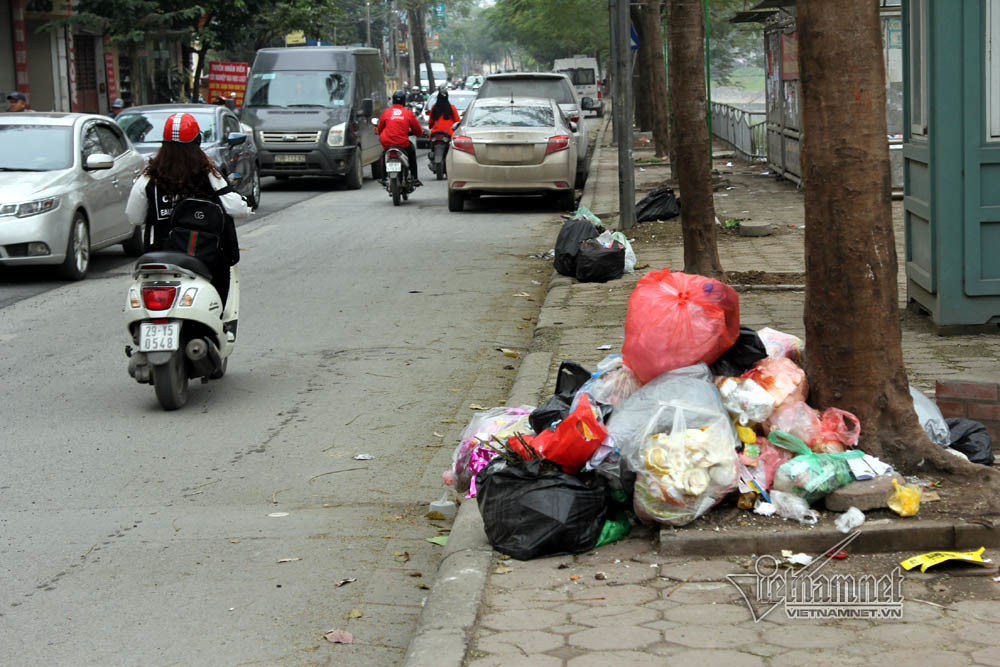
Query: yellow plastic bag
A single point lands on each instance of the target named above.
(906, 500)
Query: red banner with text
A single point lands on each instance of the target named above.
(224, 79)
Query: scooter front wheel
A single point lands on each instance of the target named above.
(170, 381)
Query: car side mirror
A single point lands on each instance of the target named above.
(98, 161)
(367, 107)
(235, 139)
(587, 104)
(572, 126)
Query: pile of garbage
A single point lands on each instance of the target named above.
(586, 251)
(695, 408)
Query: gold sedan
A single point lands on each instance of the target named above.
(513, 146)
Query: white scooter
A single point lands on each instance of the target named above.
(173, 318)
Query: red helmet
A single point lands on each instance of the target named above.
(182, 128)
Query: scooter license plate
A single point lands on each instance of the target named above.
(393, 166)
(159, 337)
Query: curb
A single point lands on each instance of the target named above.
(933, 535)
(451, 609)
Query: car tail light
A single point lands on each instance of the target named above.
(557, 144)
(158, 298)
(463, 144)
(562, 184)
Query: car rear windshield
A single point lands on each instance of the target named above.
(580, 76)
(553, 88)
(146, 127)
(509, 115)
(35, 147)
(287, 88)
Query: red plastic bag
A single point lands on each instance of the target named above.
(838, 428)
(572, 443)
(676, 320)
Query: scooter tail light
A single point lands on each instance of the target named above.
(394, 153)
(556, 144)
(463, 144)
(158, 298)
(187, 299)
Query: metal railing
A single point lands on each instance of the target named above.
(745, 130)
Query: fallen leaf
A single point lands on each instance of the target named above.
(439, 540)
(277, 514)
(401, 556)
(523, 294)
(289, 560)
(503, 569)
(423, 587)
(415, 574)
(355, 613)
(339, 637)
(929, 496)
(438, 435)
(476, 406)
(344, 582)
(575, 577)
(449, 421)
(235, 540)
(436, 515)
(508, 352)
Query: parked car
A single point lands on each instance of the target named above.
(545, 84)
(460, 98)
(64, 181)
(231, 149)
(512, 146)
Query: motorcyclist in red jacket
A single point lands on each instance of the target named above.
(394, 128)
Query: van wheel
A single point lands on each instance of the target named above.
(355, 177)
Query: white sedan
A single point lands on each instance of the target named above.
(514, 146)
(64, 181)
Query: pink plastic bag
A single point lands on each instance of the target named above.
(781, 377)
(781, 344)
(676, 320)
(831, 432)
(838, 428)
(797, 418)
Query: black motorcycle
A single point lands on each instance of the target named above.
(398, 182)
(439, 149)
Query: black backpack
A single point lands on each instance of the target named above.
(196, 228)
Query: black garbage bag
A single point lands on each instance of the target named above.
(660, 204)
(972, 439)
(597, 264)
(532, 508)
(569, 379)
(568, 244)
(738, 359)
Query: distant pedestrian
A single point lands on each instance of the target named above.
(17, 101)
(116, 107)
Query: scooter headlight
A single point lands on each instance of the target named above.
(187, 299)
(336, 135)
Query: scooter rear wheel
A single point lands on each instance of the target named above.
(170, 381)
(439, 169)
(394, 189)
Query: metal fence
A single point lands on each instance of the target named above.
(746, 130)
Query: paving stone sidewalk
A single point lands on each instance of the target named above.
(648, 610)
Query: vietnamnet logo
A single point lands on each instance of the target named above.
(806, 593)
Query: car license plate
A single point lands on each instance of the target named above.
(159, 337)
(394, 166)
(294, 157)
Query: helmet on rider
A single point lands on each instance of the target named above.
(416, 89)
(182, 128)
(399, 97)
(443, 93)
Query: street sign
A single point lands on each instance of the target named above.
(633, 38)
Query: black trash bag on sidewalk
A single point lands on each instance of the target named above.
(745, 352)
(597, 264)
(660, 204)
(972, 439)
(532, 508)
(568, 244)
(569, 379)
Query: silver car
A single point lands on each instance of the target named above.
(64, 181)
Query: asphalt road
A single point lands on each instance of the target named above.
(25, 282)
(218, 534)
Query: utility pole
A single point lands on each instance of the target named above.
(368, 24)
(613, 69)
(395, 41)
(623, 115)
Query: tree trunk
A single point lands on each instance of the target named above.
(693, 166)
(198, 70)
(671, 116)
(420, 54)
(642, 92)
(855, 354)
(656, 74)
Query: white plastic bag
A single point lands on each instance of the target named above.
(931, 419)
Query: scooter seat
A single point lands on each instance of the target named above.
(188, 262)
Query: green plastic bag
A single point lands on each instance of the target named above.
(614, 529)
(584, 212)
(810, 475)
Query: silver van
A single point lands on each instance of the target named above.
(310, 108)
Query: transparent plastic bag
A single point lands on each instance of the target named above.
(931, 419)
(830, 432)
(746, 400)
(612, 384)
(470, 456)
(780, 344)
(781, 377)
(684, 471)
(811, 475)
(607, 238)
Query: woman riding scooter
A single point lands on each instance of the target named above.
(179, 171)
(443, 117)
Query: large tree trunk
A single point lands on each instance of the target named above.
(656, 75)
(853, 332)
(693, 166)
(418, 35)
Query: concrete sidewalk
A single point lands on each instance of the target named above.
(627, 603)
